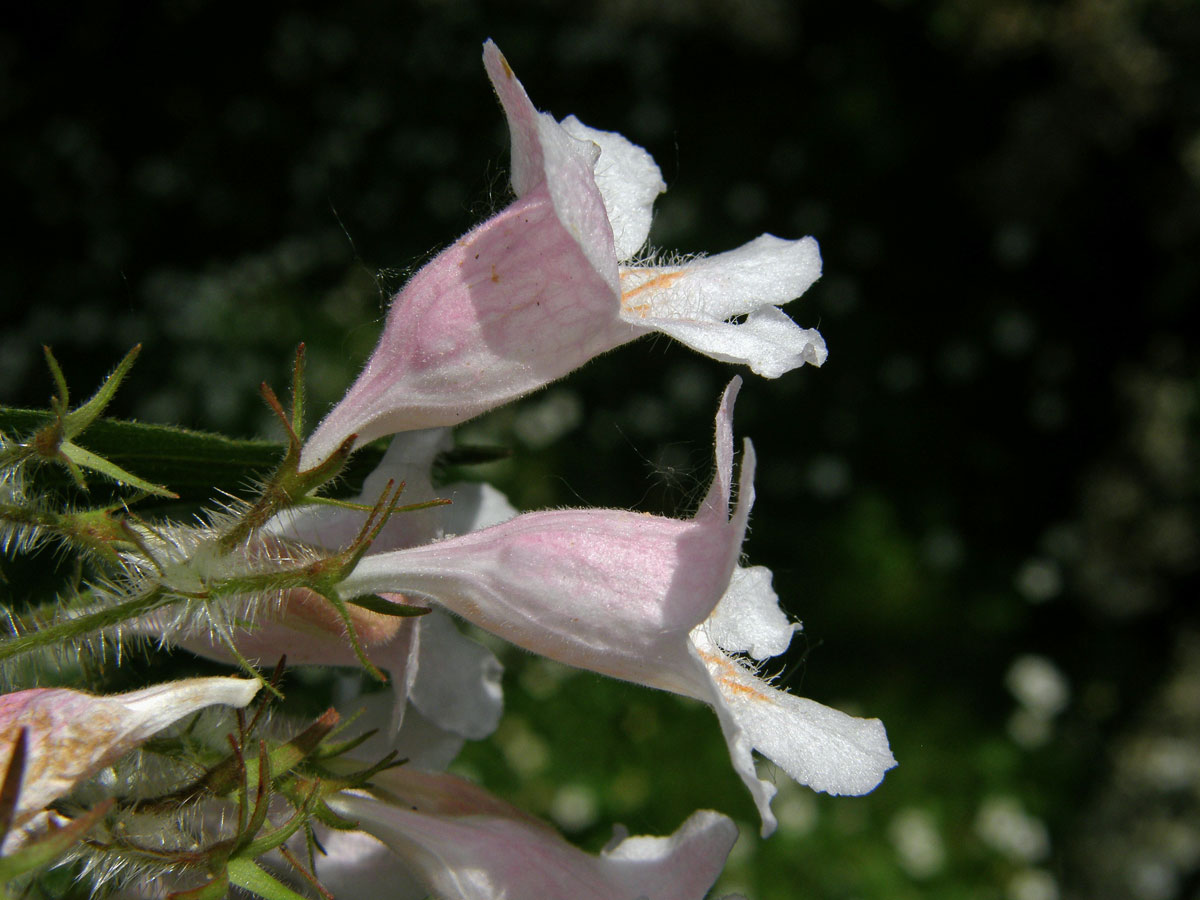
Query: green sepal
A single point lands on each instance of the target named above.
(471, 455)
(261, 797)
(77, 421)
(228, 775)
(246, 874)
(360, 651)
(377, 604)
(330, 819)
(88, 460)
(52, 441)
(97, 531)
(332, 749)
(62, 398)
(362, 777)
(298, 392)
(279, 836)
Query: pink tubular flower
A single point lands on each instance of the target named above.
(72, 735)
(462, 843)
(554, 279)
(652, 600)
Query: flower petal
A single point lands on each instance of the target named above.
(768, 341)
(466, 844)
(748, 618)
(72, 735)
(608, 590)
(474, 506)
(694, 302)
(357, 864)
(419, 741)
(767, 271)
(510, 307)
(458, 680)
(818, 746)
(629, 181)
(544, 154)
(536, 291)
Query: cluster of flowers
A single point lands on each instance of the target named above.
(531, 294)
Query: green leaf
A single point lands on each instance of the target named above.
(471, 455)
(189, 462)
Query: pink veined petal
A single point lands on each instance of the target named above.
(508, 308)
(546, 154)
(527, 163)
(72, 735)
(468, 845)
(608, 590)
(518, 302)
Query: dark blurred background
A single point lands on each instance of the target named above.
(983, 507)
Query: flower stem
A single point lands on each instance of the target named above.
(61, 632)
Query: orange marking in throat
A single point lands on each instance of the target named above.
(728, 673)
(658, 282)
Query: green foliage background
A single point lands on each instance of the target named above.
(999, 459)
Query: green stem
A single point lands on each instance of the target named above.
(60, 632)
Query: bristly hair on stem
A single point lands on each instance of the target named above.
(288, 485)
